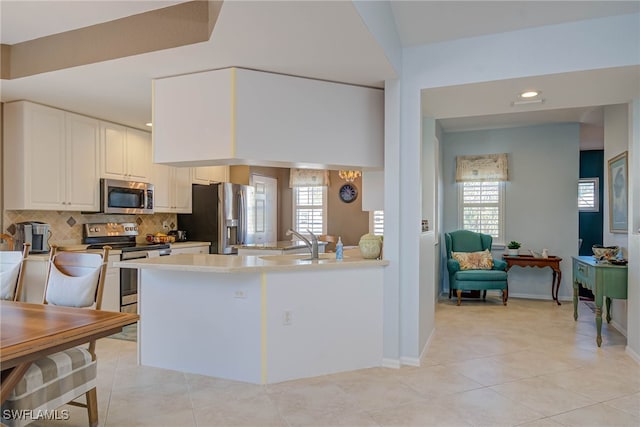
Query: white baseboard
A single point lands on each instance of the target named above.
(410, 361)
(635, 356)
(540, 297)
(618, 327)
(427, 344)
(391, 363)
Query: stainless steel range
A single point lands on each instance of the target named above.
(123, 236)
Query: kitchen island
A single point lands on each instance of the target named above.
(260, 319)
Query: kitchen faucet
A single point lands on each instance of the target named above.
(313, 245)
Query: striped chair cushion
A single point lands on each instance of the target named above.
(51, 382)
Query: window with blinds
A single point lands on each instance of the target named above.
(309, 209)
(376, 223)
(588, 195)
(482, 208)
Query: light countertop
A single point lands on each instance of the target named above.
(283, 245)
(248, 264)
(117, 251)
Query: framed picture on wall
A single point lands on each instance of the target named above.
(618, 193)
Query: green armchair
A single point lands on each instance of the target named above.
(461, 277)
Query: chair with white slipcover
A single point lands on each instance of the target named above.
(76, 280)
(12, 267)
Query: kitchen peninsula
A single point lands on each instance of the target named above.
(260, 319)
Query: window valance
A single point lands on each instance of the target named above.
(484, 167)
(308, 178)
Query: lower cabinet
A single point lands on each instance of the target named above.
(111, 291)
(202, 249)
(35, 275)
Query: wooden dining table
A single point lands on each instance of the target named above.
(29, 332)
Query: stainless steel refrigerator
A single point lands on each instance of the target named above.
(223, 214)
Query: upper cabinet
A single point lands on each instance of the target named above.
(172, 189)
(50, 159)
(125, 153)
(238, 116)
(207, 174)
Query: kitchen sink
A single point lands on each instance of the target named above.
(297, 257)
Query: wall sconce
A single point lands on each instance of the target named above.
(349, 176)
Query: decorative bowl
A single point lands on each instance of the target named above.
(605, 252)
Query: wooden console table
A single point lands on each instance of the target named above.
(604, 280)
(529, 261)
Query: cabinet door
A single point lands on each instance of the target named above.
(182, 193)
(204, 249)
(162, 180)
(111, 291)
(208, 174)
(82, 179)
(45, 154)
(219, 173)
(113, 151)
(138, 155)
(201, 175)
(35, 276)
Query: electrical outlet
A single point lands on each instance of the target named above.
(240, 294)
(287, 318)
(165, 225)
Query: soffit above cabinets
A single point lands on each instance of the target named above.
(238, 116)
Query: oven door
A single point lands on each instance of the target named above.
(129, 279)
(129, 284)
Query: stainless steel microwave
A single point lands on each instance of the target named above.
(125, 197)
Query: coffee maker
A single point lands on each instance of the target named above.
(35, 233)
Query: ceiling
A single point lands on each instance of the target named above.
(292, 37)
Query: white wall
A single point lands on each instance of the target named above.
(593, 44)
(392, 325)
(633, 307)
(616, 141)
(541, 207)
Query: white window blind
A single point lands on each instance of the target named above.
(482, 208)
(376, 225)
(309, 209)
(588, 195)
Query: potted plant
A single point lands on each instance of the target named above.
(513, 247)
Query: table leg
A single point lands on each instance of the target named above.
(608, 301)
(557, 276)
(575, 300)
(598, 302)
(10, 378)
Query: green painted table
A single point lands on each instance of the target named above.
(604, 280)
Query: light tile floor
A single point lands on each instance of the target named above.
(527, 364)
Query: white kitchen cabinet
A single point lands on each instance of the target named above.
(50, 159)
(111, 290)
(125, 153)
(202, 249)
(172, 189)
(207, 174)
(35, 276)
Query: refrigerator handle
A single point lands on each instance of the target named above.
(242, 218)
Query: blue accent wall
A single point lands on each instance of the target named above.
(590, 223)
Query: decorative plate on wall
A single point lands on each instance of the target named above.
(348, 193)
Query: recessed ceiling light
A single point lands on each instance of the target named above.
(529, 94)
(148, 124)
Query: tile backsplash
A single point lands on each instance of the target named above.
(66, 226)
